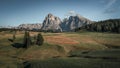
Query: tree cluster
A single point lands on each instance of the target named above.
(111, 25)
(27, 40)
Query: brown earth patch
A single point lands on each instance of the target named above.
(60, 40)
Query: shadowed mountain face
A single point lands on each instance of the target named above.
(54, 23)
(74, 22)
(51, 23)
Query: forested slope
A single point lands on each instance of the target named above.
(111, 25)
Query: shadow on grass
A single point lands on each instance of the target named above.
(11, 40)
(112, 46)
(17, 45)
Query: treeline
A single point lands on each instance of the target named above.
(14, 29)
(34, 30)
(111, 25)
(5, 29)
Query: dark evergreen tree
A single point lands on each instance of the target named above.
(27, 40)
(40, 39)
(14, 35)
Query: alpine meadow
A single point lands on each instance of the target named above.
(60, 34)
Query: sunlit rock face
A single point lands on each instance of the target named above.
(51, 22)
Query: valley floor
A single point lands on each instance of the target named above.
(61, 50)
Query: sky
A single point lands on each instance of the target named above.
(16, 12)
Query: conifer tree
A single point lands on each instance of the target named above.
(40, 39)
(14, 36)
(27, 40)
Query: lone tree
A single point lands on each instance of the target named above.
(27, 40)
(14, 35)
(40, 39)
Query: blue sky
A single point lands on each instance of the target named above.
(15, 12)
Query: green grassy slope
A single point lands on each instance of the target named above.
(62, 50)
(72, 63)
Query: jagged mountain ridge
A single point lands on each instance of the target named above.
(30, 26)
(54, 23)
(74, 22)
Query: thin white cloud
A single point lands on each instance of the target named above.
(70, 13)
(110, 3)
(110, 7)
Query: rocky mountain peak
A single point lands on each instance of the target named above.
(51, 22)
(49, 15)
(75, 22)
